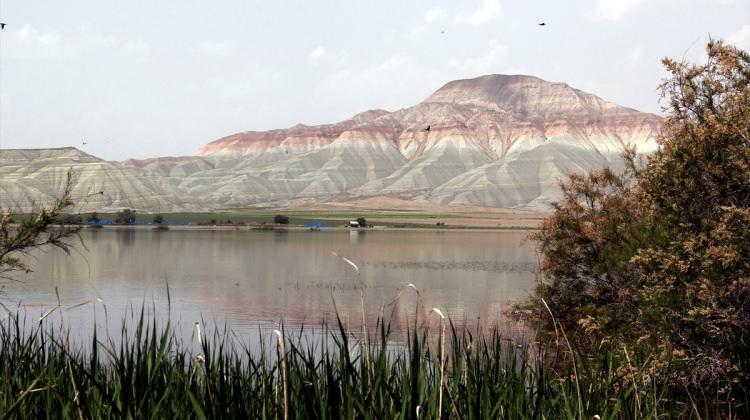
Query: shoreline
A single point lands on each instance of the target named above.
(281, 228)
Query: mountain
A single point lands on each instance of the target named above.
(30, 177)
(172, 166)
(496, 140)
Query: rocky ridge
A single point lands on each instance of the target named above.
(496, 141)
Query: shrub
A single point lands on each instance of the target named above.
(281, 219)
(362, 222)
(72, 219)
(125, 217)
(658, 259)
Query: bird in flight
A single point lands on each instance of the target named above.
(84, 142)
(542, 24)
(427, 129)
(2, 25)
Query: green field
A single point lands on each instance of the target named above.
(413, 219)
(295, 217)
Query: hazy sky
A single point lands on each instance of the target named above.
(155, 77)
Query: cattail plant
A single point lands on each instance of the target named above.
(281, 358)
(441, 361)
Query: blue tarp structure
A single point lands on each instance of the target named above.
(317, 224)
(99, 222)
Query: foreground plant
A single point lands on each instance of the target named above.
(40, 229)
(148, 372)
(657, 261)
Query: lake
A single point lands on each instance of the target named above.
(247, 279)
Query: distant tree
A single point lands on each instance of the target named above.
(158, 219)
(362, 222)
(72, 219)
(280, 219)
(93, 217)
(212, 222)
(125, 217)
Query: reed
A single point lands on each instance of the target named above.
(148, 371)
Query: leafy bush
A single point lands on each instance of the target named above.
(72, 219)
(281, 219)
(125, 217)
(362, 222)
(658, 258)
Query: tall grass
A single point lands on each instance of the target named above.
(475, 374)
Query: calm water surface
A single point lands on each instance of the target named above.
(253, 279)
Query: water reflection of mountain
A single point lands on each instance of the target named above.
(249, 278)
